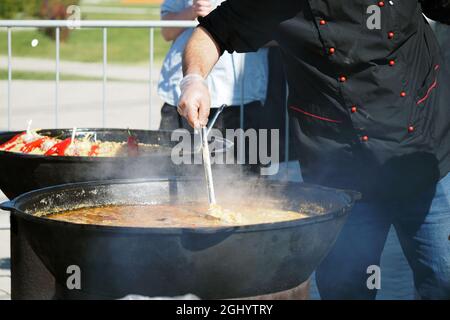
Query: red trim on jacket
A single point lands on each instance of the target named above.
(314, 115)
(434, 85)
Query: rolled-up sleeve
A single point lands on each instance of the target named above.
(247, 25)
(171, 6)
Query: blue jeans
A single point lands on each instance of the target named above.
(423, 228)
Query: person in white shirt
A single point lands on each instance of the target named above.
(236, 79)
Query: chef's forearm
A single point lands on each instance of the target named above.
(201, 53)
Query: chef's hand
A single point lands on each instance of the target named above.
(202, 8)
(195, 101)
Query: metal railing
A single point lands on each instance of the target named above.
(104, 25)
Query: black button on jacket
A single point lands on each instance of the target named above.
(369, 95)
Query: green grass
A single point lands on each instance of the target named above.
(127, 46)
(22, 75)
(50, 76)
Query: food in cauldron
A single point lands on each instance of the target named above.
(185, 215)
(31, 142)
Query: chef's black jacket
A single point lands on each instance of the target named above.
(370, 108)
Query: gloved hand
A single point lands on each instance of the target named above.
(195, 100)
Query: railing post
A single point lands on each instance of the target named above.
(57, 77)
(151, 57)
(241, 108)
(9, 76)
(105, 63)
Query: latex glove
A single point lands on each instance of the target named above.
(195, 100)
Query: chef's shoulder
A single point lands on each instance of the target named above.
(247, 25)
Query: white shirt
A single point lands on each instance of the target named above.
(235, 76)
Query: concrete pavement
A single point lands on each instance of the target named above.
(139, 72)
(80, 104)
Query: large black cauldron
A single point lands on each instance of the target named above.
(212, 263)
(21, 173)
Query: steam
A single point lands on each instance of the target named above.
(30, 122)
(230, 166)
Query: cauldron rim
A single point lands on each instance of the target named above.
(12, 206)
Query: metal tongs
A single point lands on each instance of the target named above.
(207, 156)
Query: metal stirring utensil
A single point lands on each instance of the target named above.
(207, 166)
(207, 155)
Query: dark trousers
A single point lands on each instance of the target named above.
(422, 225)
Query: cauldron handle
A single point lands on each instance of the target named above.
(7, 205)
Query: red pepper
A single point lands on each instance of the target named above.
(12, 140)
(94, 150)
(59, 148)
(27, 148)
(132, 145)
(11, 147)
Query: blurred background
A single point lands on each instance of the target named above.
(81, 71)
(85, 45)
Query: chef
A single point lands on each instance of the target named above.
(369, 102)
